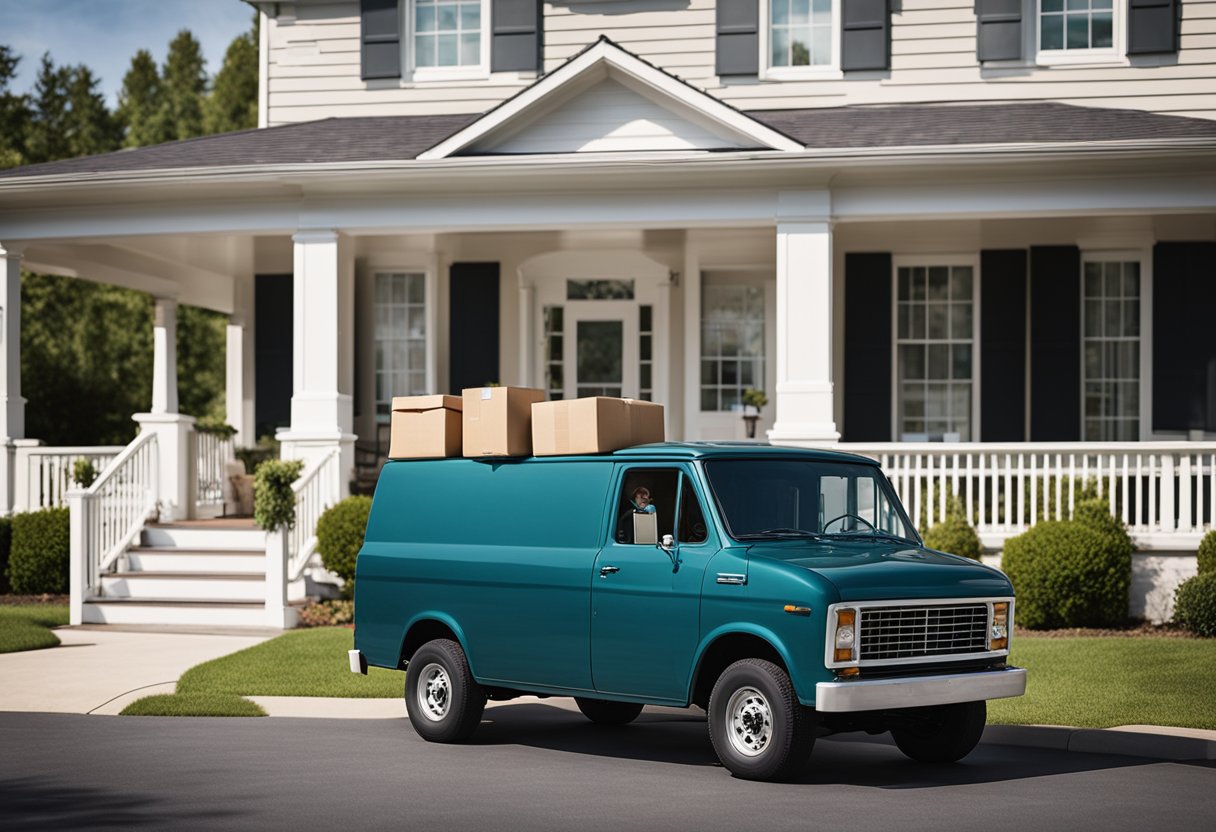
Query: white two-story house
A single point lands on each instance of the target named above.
(975, 239)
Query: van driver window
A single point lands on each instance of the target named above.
(692, 522)
(646, 506)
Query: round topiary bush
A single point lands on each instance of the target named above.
(955, 536)
(1195, 604)
(1095, 513)
(40, 553)
(1207, 554)
(340, 536)
(1069, 574)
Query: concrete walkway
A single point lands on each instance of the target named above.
(101, 671)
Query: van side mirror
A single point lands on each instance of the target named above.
(668, 545)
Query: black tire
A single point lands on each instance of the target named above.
(942, 733)
(605, 712)
(443, 702)
(758, 694)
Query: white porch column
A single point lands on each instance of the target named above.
(804, 414)
(239, 387)
(164, 356)
(12, 405)
(322, 412)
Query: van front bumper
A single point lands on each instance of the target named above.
(917, 691)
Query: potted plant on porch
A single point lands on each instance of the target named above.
(753, 401)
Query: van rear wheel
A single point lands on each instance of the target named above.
(443, 701)
(942, 733)
(604, 712)
(757, 726)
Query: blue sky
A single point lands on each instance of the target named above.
(104, 34)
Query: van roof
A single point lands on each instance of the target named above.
(727, 449)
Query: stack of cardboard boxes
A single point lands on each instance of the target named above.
(517, 421)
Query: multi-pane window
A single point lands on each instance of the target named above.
(1112, 350)
(554, 366)
(800, 32)
(935, 340)
(646, 353)
(1076, 24)
(732, 344)
(400, 338)
(447, 33)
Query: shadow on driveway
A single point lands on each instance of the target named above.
(46, 803)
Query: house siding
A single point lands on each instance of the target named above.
(313, 65)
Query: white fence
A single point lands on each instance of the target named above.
(43, 475)
(213, 452)
(1165, 492)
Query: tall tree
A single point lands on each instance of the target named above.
(92, 128)
(140, 103)
(14, 113)
(47, 138)
(184, 84)
(233, 103)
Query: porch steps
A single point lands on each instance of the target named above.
(203, 574)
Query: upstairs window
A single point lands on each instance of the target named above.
(449, 36)
(800, 38)
(1079, 30)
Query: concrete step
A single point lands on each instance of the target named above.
(191, 586)
(203, 537)
(171, 611)
(173, 559)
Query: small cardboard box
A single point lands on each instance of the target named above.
(498, 420)
(425, 427)
(594, 425)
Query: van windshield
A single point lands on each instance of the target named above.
(794, 498)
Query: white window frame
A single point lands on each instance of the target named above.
(428, 269)
(1116, 53)
(926, 260)
(443, 73)
(1145, 258)
(821, 72)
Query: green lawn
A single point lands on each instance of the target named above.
(28, 627)
(193, 704)
(1101, 682)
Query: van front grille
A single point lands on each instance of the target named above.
(915, 631)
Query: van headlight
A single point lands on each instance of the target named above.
(998, 633)
(846, 635)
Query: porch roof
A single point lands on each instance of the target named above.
(403, 138)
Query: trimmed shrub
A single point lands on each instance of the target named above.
(955, 536)
(1207, 554)
(274, 506)
(1195, 604)
(6, 543)
(340, 533)
(1069, 574)
(38, 561)
(84, 472)
(333, 613)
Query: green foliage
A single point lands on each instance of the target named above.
(1070, 573)
(332, 613)
(955, 536)
(28, 627)
(215, 426)
(38, 562)
(274, 504)
(6, 545)
(1195, 605)
(340, 533)
(14, 113)
(193, 704)
(754, 398)
(139, 103)
(184, 83)
(84, 472)
(69, 115)
(1207, 554)
(201, 351)
(233, 103)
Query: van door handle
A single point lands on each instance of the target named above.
(605, 571)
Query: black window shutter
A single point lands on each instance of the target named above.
(515, 35)
(1152, 26)
(1184, 349)
(998, 30)
(865, 35)
(1055, 344)
(738, 41)
(380, 33)
(867, 347)
(472, 325)
(1003, 345)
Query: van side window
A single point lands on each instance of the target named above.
(692, 522)
(646, 506)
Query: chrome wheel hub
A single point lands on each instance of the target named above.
(749, 722)
(434, 692)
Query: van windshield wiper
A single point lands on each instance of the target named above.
(869, 535)
(781, 532)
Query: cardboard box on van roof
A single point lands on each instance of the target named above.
(424, 427)
(597, 424)
(498, 420)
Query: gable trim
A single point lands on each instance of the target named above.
(608, 54)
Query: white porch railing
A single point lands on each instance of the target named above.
(212, 454)
(107, 517)
(288, 551)
(43, 475)
(1165, 492)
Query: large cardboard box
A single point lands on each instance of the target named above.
(594, 425)
(498, 420)
(425, 427)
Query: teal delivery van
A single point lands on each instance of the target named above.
(784, 591)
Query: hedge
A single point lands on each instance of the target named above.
(1195, 604)
(955, 536)
(41, 548)
(340, 533)
(1207, 554)
(274, 504)
(6, 543)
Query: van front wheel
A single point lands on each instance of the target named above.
(757, 726)
(443, 702)
(604, 712)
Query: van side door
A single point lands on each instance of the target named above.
(645, 610)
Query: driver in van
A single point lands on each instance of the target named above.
(639, 503)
